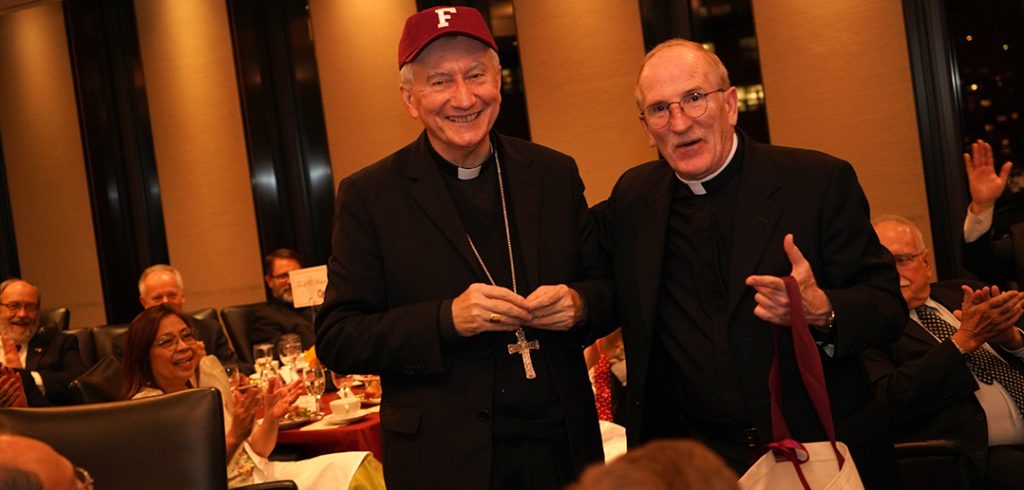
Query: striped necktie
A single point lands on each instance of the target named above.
(986, 366)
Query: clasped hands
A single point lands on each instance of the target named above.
(987, 315)
(485, 308)
(773, 302)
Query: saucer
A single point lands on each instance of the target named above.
(336, 419)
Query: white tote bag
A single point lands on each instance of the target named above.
(789, 464)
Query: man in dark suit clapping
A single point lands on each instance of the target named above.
(46, 360)
(957, 370)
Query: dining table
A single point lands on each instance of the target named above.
(322, 437)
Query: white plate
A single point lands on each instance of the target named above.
(336, 419)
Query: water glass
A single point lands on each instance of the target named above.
(289, 348)
(315, 379)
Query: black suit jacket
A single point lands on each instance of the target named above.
(399, 256)
(998, 260)
(928, 388)
(276, 318)
(54, 355)
(781, 190)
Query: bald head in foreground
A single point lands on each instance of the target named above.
(30, 464)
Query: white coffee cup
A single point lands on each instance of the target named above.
(345, 407)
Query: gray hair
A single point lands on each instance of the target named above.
(405, 75)
(7, 283)
(153, 269)
(895, 218)
(718, 71)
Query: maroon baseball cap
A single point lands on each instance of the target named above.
(423, 28)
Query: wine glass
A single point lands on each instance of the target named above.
(343, 383)
(262, 355)
(314, 379)
(289, 348)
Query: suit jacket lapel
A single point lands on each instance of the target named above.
(651, 227)
(431, 195)
(36, 346)
(756, 218)
(523, 193)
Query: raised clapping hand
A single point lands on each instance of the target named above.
(485, 308)
(986, 186)
(243, 411)
(280, 399)
(988, 315)
(772, 301)
(12, 393)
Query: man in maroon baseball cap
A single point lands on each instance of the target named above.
(462, 272)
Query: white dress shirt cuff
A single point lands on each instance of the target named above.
(976, 225)
(39, 381)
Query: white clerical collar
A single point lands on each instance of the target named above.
(697, 186)
(469, 173)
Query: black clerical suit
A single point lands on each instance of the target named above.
(698, 357)
(276, 318)
(400, 255)
(929, 389)
(54, 355)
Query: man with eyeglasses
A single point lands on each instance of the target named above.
(279, 315)
(47, 361)
(162, 284)
(957, 372)
(464, 272)
(700, 241)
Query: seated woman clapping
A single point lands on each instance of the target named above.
(162, 356)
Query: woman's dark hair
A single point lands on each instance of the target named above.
(138, 373)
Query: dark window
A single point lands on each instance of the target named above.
(726, 27)
(988, 45)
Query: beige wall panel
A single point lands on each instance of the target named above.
(837, 79)
(357, 58)
(200, 150)
(45, 166)
(580, 59)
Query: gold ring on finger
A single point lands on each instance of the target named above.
(494, 318)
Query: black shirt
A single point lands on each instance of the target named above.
(522, 407)
(693, 317)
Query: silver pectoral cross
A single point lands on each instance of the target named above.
(523, 348)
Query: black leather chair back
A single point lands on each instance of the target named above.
(102, 383)
(167, 442)
(236, 321)
(939, 464)
(86, 345)
(55, 318)
(105, 337)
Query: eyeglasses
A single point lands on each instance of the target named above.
(693, 104)
(903, 260)
(170, 341)
(29, 307)
(280, 277)
(83, 478)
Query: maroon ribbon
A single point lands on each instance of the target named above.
(813, 377)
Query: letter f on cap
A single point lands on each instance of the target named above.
(443, 14)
